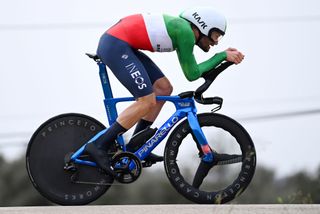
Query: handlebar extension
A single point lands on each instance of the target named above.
(209, 77)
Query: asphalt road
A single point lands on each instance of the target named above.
(167, 209)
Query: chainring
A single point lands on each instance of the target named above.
(127, 167)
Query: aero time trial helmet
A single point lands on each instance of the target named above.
(206, 20)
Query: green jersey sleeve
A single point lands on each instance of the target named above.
(183, 41)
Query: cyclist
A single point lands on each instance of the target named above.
(119, 48)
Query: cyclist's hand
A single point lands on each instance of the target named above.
(235, 56)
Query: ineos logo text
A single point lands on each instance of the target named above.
(136, 75)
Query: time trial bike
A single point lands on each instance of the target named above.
(209, 158)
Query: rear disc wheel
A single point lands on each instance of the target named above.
(45, 160)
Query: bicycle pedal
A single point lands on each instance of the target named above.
(147, 164)
(70, 167)
(153, 158)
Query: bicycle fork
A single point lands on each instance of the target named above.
(200, 138)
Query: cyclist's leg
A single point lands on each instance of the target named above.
(128, 69)
(161, 87)
(131, 115)
(134, 113)
(125, 121)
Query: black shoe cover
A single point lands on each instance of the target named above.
(100, 157)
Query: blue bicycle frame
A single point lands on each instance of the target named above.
(185, 107)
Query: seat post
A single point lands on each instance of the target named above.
(105, 80)
(109, 102)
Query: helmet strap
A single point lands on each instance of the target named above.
(193, 26)
(199, 38)
(198, 41)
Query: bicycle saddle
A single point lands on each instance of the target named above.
(95, 57)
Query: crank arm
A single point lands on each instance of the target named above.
(92, 183)
(74, 179)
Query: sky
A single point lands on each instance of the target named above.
(44, 72)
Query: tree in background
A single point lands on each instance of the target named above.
(16, 188)
(153, 187)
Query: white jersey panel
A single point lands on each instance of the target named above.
(157, 32)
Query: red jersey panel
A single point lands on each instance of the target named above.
(132, 30)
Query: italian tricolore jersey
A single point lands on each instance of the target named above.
(164, 33)
(144, 31)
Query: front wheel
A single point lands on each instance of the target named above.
(224, 179)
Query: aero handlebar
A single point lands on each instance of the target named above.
(209, 77)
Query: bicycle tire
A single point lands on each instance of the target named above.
(180, 182)
(46, 151)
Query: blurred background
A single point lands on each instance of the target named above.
(274, 93)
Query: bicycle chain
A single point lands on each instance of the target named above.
(75, 181)
(74, 176)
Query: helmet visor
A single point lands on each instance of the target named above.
(215, 36)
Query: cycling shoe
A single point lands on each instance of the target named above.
(100, 157)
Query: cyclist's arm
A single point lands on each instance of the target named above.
(191, 69)
(183, 41)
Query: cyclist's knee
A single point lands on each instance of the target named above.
(166, 90)
(163, 87)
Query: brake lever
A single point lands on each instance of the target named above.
(209, 101)
(218, 101)
(205, 101)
